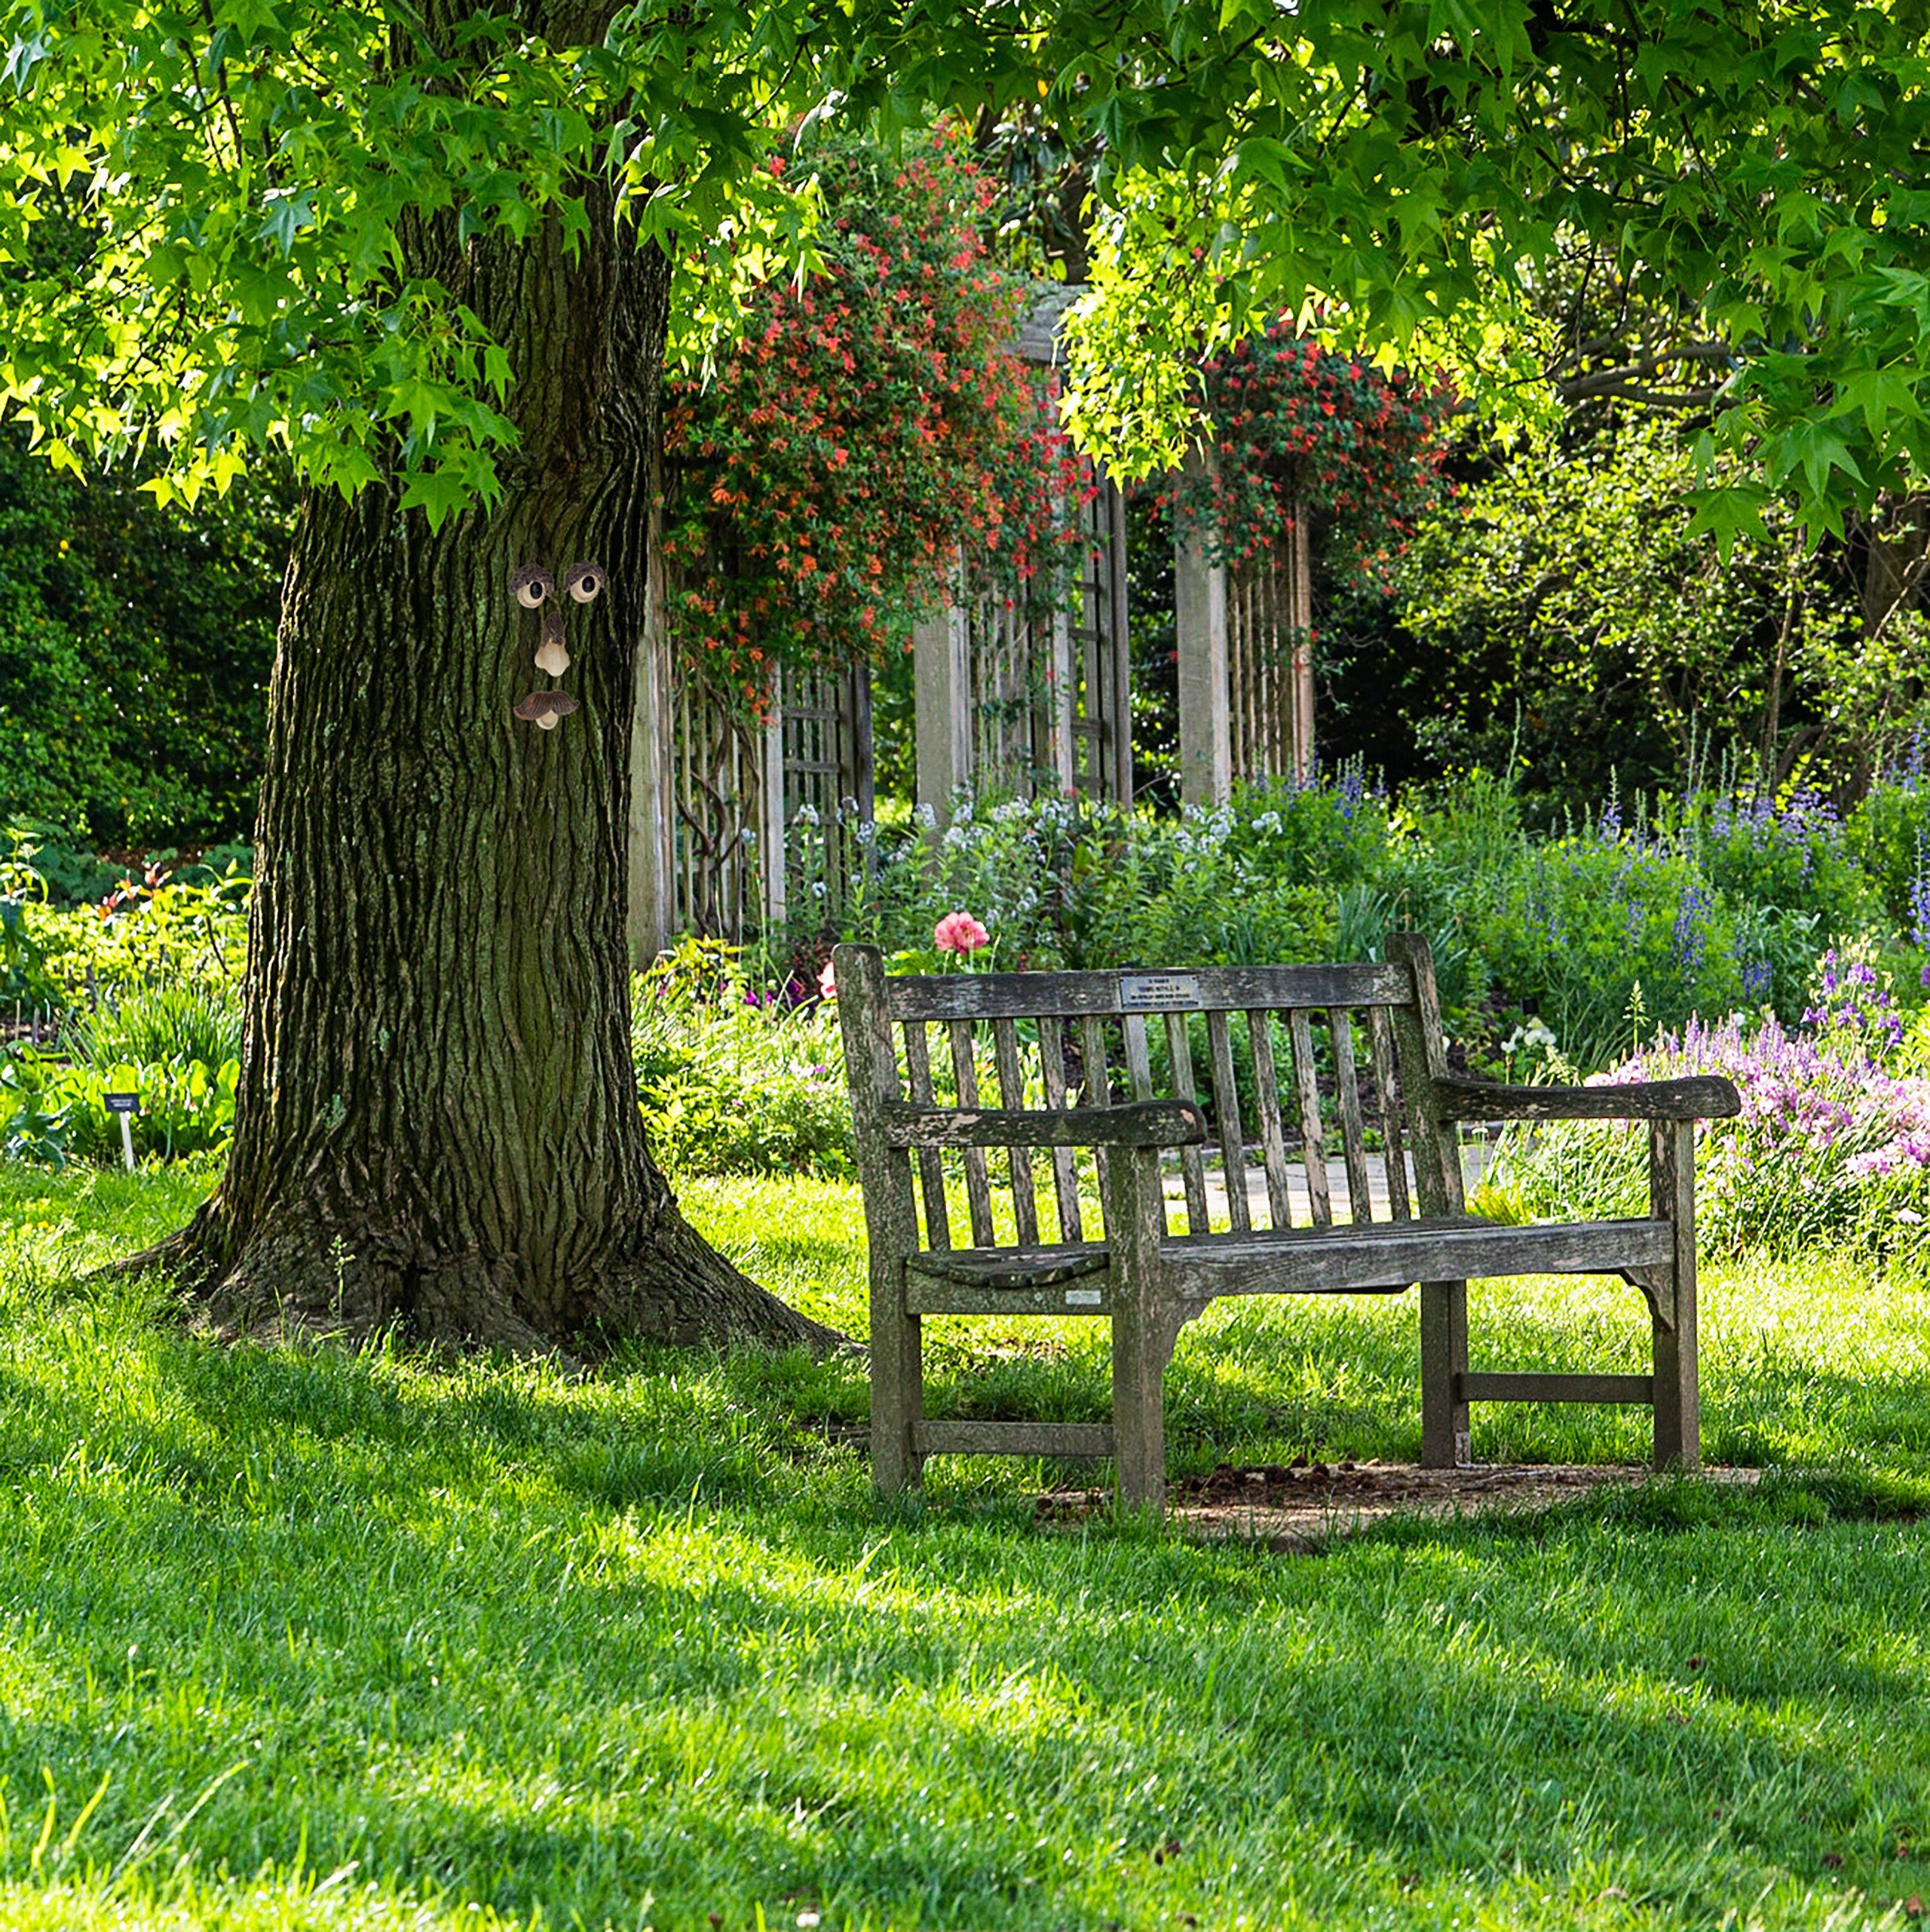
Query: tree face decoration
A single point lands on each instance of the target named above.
(535, 589)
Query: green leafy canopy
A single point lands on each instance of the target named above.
(202, 235)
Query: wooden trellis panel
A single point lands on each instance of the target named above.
(1270, 685)
(766, 814)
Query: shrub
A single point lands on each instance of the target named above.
(55, 1111)
(1888, 836)
(162, 931)
(734, 1079)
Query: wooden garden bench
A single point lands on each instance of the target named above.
(1347, 1045)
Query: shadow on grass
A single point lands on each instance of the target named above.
(532, 1642)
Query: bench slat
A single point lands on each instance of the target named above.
(1012, 1090)
(1397, 1254)
(1353, 1141)
(1385, 1093)
(1098, 1081)
(1557, 1388)
(1065, 1168)
(1073, 1440)
(1273, 1139)
(1226, 1113)
(1043, 1266)
(1385, 1257)
(1224, 989)
(931, 1163)
(1313, 1146)
(1192, 1170)
(978, 1187)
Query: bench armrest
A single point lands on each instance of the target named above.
(1701, 1096)
(1139, 1124)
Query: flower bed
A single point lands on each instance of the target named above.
(1832, 1145)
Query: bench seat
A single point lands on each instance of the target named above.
(1384, 1259)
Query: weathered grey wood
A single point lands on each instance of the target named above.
(1446, 1436)
(1313, 1146)
(1224, 989)
(1147, 1281)
(1138, 1056)
(1012, 1091)
(1353, 1140)
(932, 1296)
(1226, 1114)
(977, 1184)
(1192, 1170)
(1065, 1168)
(1446, 1440)
(1143, 1325)
(1557, 1388)
(1070, 1440)
(1097, 1085)
(1132, 1123)
(1396, 1255)
(891, 1217)
(931, 1169)
(1699, 1097)
(1387, 1094)
(1672, 1199)
(1037, 1266)
(1273, 1139)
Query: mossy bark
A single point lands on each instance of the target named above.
(437, 1127)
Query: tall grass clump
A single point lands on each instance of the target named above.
(178, 1020)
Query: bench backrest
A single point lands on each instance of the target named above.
(1305, 1063)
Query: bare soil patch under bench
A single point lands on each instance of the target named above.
(1300, 1506)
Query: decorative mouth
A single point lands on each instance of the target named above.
(544, 707)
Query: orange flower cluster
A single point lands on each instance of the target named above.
(866, 428)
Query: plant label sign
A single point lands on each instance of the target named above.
(125, 1106)
(1157, 993)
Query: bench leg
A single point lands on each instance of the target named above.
(1143, 1328)
(898, 1390)
(1139, 1397)
(1677, 1395)
(1443, 1360)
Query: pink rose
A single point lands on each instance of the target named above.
(960, 933)
(827, 980)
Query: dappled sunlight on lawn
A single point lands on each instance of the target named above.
(640, 1647)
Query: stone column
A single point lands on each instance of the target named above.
(942, 675)
(1200, 612)
(652, 811)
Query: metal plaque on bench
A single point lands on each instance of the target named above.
(1158, 992)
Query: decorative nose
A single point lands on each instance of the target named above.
(551, 657)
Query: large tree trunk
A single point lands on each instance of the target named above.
(437, 1125)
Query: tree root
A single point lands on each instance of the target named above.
(307, 1282)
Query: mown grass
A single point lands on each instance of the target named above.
(355, 1640)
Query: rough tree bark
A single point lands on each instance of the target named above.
(437, 1125)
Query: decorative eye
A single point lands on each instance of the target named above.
(544, 708)
(583, 581)
(531, 584)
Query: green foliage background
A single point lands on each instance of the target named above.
(135, 649)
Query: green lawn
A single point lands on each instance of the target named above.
(328, 1640)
